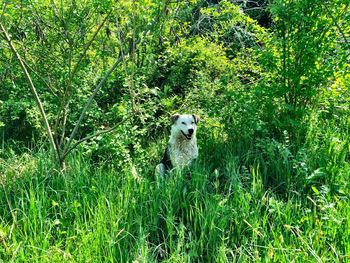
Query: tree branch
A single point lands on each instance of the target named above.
(33, 89)
(67, 148)
(75, 68)
(89, 102)
(41, 78)
(65, 102)
(90, 137)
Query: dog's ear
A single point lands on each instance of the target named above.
(196, 118)
(174, 118)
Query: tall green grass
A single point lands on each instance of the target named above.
(241, 202)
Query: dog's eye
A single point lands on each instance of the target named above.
(183, 123)
(192, 122)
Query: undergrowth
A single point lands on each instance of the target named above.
(242, 201)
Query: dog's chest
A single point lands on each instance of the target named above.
(182, 153)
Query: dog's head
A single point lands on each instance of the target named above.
(184, 125)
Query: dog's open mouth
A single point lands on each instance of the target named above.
(187, 136)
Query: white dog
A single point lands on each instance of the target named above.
(182, 146)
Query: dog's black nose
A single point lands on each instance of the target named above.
(190, 131)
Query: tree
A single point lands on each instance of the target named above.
(57, 54)
(308, 45)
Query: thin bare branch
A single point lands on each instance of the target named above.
(96, 90)
(72, 73)
(76, 66)
(41, 78)
(89, 102)
(90, 137)
(33, 89)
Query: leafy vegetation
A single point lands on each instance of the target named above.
(87, 89)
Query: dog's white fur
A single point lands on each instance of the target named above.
(182, 146)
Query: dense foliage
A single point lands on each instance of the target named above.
(271, 82)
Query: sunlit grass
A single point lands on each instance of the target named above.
(237, 204)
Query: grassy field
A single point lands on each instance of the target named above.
(262, 200)
(87, 91)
